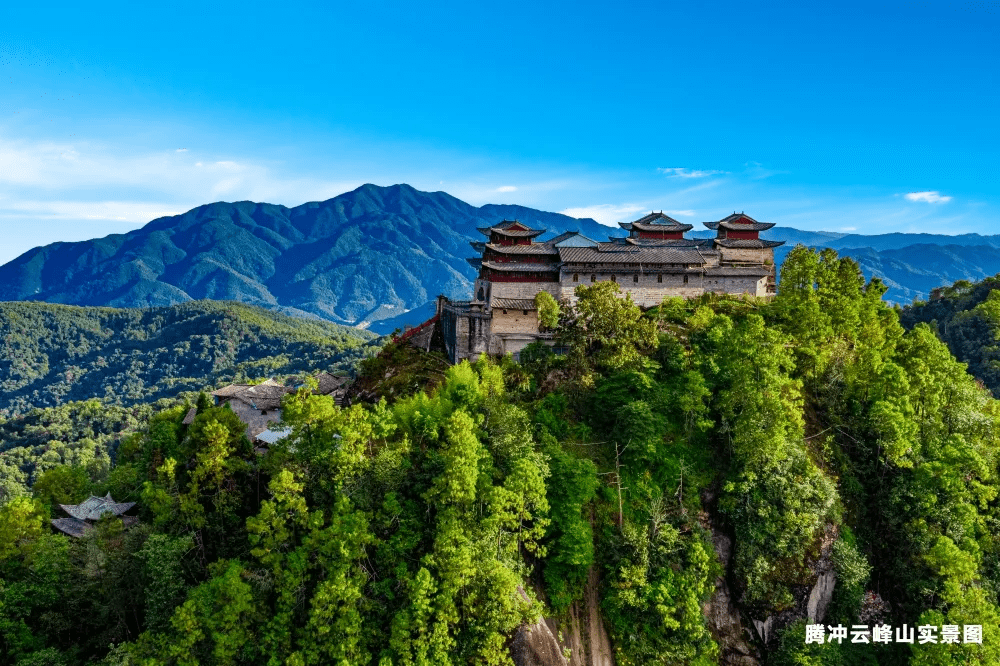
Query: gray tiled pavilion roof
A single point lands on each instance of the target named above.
(734, 226)
(266, 395)
(738, 222)
(329, 383)
(655, 222)
(94, 507)
(504, 229)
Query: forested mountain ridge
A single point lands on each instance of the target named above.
(966, 316)
(50, 354)
(812, 433)
(359, 257)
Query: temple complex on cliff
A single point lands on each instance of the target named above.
(654, 261)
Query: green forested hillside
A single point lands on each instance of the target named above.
(51, 354)
(966, 316)
(811, 432)
(81, 434)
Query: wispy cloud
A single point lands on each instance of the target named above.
(182, 150)
(683, 213)
(507, 188)
(682, 172)
(609, 214)
(136, 212)
(932, 197)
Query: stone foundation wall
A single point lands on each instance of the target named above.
(466, 334)
(747, 255)
(515, 321)
(737, 285)
(649, 291)
(525, 290)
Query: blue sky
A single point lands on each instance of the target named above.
(836, 116)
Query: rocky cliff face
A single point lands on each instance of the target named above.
(721, 614)
(812, 601)
(742, 641)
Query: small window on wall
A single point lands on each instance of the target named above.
(659, 278)
(685, 279)
(614, 279)
(593, 278)
(505, 312)
(524, 311)
(576, 277)
(635, 278)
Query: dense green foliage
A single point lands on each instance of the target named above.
(967, 317)
(426, 525)
(78, 436)
(55, 353)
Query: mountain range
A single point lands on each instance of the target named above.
(377, 256)
(360, 257)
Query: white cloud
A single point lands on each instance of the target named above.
(182, 150)
(118, 211)
(681, 172)
(507, 188)
(608, 214)
(848, 229)
(927, 197)
(683, 213)
(59, 172)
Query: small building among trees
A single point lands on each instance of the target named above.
(82, 516)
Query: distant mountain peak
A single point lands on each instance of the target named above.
(356, 258)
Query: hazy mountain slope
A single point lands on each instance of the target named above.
(51, 354)
(359, 257)
(911, 272)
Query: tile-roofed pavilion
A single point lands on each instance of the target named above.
(510, 232)
(656, 225)
(83, 515)
(734, 230)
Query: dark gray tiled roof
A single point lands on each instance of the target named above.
(266, 395)
(520, 267)
(94, 507)
(329, 383)
(756, 226)
(71, 526)
(664, 242)
(659, 219)
(747, 243)
(189, 417)
(514, 233)
(534, 248)
(737, 271)
(615, 253)
(513, 304)
(642, 226)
